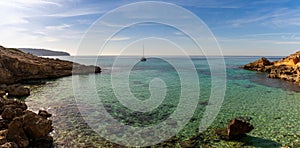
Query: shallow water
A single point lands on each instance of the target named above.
(272, 106)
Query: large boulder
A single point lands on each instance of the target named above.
(237, 128)
(35, 125)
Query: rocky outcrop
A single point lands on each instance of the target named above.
(286, 68)
(235, 129)
(262, 64)
(22, 128)
(17, 66)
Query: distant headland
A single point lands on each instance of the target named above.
(44, 52)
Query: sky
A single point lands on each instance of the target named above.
(241, 27)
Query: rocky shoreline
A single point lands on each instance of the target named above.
(18, 68)
(287, 68)
(20, 127)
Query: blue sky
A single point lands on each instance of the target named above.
(242, 27)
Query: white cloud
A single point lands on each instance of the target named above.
(77, 12)
(280, 17)
(58, 28)
(119, 38)
(288, 43)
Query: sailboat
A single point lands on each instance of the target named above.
(143, 59)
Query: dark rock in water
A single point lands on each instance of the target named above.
(205, 103)
(237, 128)
(44, 114)
(17, 90)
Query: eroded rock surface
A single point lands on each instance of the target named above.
(17, 66)
(235, 129)
(22, 128)
(286, 68)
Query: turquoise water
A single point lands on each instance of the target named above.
(271, 105)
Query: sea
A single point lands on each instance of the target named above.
(89, 110)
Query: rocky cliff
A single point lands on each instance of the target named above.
(287, 68)
(17, 66)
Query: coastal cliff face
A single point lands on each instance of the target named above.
(287, 68)
(17, 66)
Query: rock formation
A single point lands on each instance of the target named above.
(235, 129)
(17, 66)
(22, 128)
(286, 68)
(262, 64)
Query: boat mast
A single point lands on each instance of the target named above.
(143, 51)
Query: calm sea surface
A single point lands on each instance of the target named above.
(271, 105)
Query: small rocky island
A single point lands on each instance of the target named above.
(287, 68)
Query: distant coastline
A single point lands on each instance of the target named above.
(44, 52)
